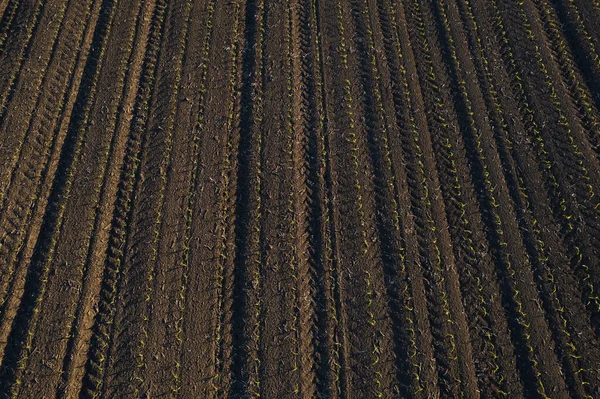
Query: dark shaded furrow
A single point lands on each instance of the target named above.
(222, 378)
(249, 258)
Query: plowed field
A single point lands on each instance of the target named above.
(300, 199)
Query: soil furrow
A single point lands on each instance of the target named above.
(248, 310)
(329, 368)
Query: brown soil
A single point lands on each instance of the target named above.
(303, 198)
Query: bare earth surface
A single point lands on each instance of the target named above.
(300, 199)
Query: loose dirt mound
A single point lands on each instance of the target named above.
(301, 198)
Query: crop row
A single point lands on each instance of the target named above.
(398, 285)
(191, 196)
(352, 139)
(104, 150)
(294, 230)
(528, 117)
(165, 109)
(386, 187)
(103, 330)
(224, 277)
(447, 357)
(405, 111)
(388, 176)
(578, 373)
(329, 259)
(97, 191)
(561, 207)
